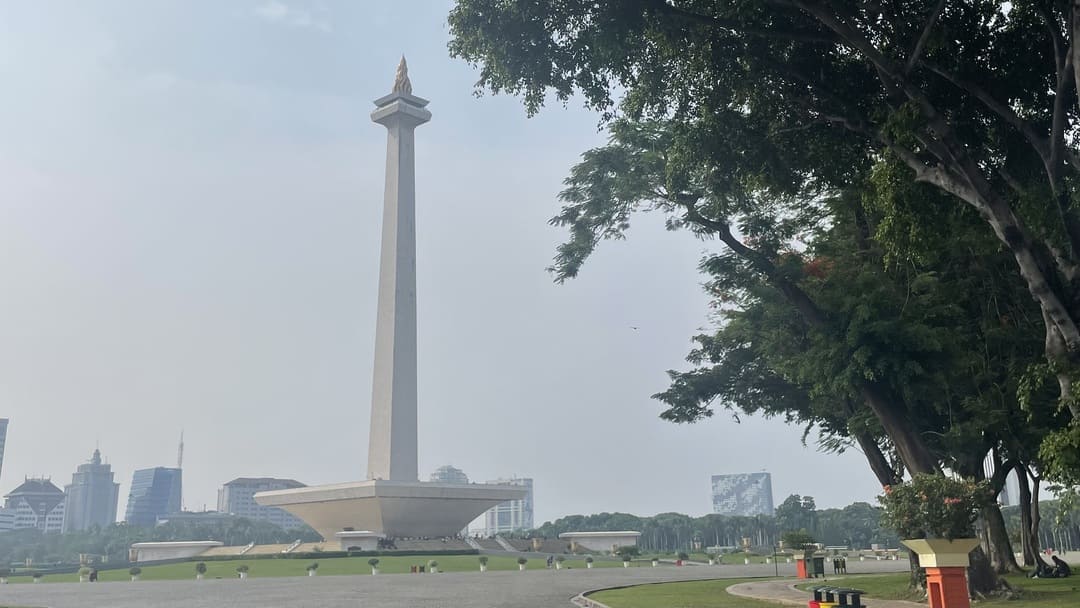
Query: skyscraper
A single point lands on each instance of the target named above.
(3, 442)
(742, 494)
(154, 492)
(511, 515)
(92, 496)
(237, 498)
(37, 503)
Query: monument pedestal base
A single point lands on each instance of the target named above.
(393, 508)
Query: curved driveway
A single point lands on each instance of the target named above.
(533, 588)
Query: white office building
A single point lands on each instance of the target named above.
(237, 498)
(512, 515)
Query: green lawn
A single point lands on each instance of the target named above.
(695, 594)
(1034, 593)
(327, 567)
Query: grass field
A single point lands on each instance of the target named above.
(1034, 593)
(327, 567)
(695, 594)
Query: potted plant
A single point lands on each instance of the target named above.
(682, 556)
(433, 567)
(242, 570)
(559, 562)
(374, 563)
(588, 561)
(312, 568)
(655, 561)
(135, 571)
(84, 574)
(483, 563)
(935, 515)
(200, 571)
(521, 563)
(4, 574)
(37, 577)
(626, 561)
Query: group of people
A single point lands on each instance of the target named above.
(1060, 569)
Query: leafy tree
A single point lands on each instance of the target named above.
(972, 101)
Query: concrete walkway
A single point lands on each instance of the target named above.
(784, 592)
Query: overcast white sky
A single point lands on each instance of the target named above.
(190, 198)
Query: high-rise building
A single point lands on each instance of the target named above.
(511, 515)
(3, 441)
(37, 503)
(449, 474)
(92, 496)
(742, 494)
(154, 492)
(237, 498)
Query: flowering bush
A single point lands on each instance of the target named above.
(934, 506)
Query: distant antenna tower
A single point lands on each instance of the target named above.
(180, 452)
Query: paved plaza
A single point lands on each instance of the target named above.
(534, 588)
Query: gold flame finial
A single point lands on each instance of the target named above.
(401, 79)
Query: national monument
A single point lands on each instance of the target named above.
(392, 501)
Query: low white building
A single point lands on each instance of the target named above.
(606, 541)
(157, 551)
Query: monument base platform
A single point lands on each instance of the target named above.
(394, 508)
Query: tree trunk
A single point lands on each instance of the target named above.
(999, 547)
(982, 580)
(1028, 545)
(1036, 517)
(884, 472)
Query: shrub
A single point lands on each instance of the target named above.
(484, 560)
(560, 559)
(627, 551)
(683, 556)
(84, 571)
(200, 567)
(313, 566)
(798, 540)
(37, 575)
(934, 506)
(373, 562)
(522, 561)
(135, 571)
(242, 568)
(432, 565)
(588, 559)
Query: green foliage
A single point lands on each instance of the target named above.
(934, 506)
(799, 540)
(589, 559)
(84, 571)
(373, 562)
(628, 551)
(522, 561)
(683, 555)
(200, 568)
(243, 568)
(483, 560)
(315, 566)
(1060, 454)
(135, 571)
(432, 565)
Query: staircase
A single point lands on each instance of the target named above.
(504, 544)
(472, 543)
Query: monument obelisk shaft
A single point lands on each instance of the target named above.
(392, 453)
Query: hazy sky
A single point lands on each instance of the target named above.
(190, 197)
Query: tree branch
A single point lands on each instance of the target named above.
(923, 37)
